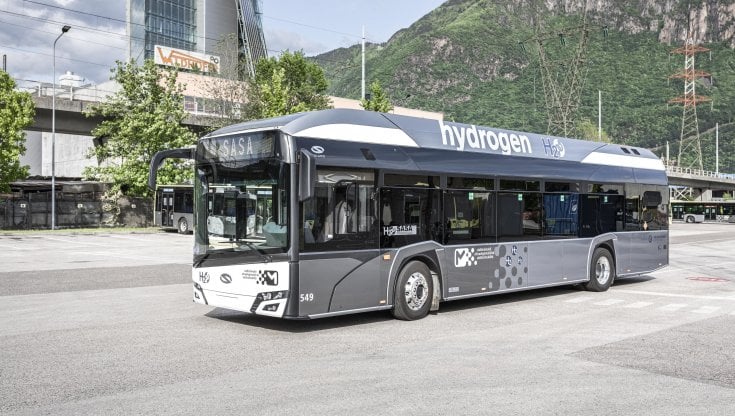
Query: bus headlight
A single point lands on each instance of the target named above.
(279, 296)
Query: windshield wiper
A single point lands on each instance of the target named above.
(265, 256)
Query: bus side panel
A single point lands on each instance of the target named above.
(361, 288)
(546, 263)
(622, 253)
(486, 268)
(576, 259)
(320, 273)
(648, 251)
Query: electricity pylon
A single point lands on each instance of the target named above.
(563, 72)
(689, 143)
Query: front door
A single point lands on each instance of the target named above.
(167, 209)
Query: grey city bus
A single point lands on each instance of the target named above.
(365, 211)
(174, 207)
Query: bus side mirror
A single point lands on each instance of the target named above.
(158, 158)
(307, 174)
(651, 199)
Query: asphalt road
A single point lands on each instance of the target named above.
(108, 327)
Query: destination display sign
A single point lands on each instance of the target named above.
(238, 147)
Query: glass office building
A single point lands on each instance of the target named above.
(194, 25)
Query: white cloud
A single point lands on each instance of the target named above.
(280, 40)
(89, 49)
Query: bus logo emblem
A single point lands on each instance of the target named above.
(225, 278)
(554, 148)
(267, 277)
(464, 257)
(317, 149)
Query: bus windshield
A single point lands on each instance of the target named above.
(241, 206)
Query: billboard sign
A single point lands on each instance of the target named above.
(163, 55)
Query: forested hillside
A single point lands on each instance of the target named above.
(475, 61)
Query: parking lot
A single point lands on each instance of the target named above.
(104, 324)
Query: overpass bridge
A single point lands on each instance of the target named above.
(70, 118)
(689, 183)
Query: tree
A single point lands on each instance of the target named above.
(142, 118)
(588, 131)
(16, 113)
(377, 101)
(285, 85)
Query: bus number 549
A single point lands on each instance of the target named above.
(306, 297)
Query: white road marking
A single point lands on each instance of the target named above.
(638, 305)
(706, 309)
(580, 299)
(609, 302)
(73, 243)
(675, 295)
(671, 307)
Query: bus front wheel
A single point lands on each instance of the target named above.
(183, 226)
(414, 292)
(602, 271)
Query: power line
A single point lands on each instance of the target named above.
(54, 33)
(58, 57)
(76, 11)
(124, 21)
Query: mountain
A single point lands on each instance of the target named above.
(477, 62)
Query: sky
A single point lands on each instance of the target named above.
(98, 36)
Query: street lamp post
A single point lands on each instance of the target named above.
(53, 133)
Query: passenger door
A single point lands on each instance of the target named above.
(339, 259)
(167, 209)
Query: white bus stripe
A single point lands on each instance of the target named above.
(361, 134)
(609, 159)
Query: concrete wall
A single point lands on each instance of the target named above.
(71, 154)
(32, 156)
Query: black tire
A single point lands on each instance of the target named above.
(183, 226)
(414, 292)
(690, 219)
(602, 271)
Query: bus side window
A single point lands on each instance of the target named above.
(341, 214)
(409, 215)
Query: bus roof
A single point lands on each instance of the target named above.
(370, 139)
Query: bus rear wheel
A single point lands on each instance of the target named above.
(602, 271)
(690, 219)
(414, 292)
(183, 226)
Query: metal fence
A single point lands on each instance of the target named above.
(73, 210)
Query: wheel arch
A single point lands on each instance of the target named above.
(431, 260)
(608, 243)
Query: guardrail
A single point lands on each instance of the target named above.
(700, 173)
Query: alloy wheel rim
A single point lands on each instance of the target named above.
(416, 291)
(602, 270)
